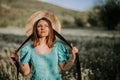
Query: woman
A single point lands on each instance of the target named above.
(44, 54)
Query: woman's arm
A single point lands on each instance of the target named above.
(67, 65)
(24, 68)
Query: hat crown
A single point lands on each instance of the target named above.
(38, 15)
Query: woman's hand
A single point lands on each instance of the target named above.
(74, 52)
(25, 68)
(67, 65)
(15, 57)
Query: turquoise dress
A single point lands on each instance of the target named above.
(45, 66)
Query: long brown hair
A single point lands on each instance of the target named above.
(49, 39)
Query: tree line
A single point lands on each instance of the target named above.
(107, 15)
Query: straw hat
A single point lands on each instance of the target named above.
(40, 14)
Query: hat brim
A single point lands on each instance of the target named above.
(38, 15)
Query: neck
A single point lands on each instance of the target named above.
(42, 40)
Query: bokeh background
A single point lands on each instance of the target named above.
(91, 25)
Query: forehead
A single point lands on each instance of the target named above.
(42, 22)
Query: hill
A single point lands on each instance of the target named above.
(14, 13)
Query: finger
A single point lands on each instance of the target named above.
(13, 55)
(16, 52)
(72, 44)
(75, 49)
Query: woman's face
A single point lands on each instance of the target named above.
(43, 28)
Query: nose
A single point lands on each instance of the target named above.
(42, 27)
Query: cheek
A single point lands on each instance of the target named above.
(48, 31)
(39, 28)
(38, 31)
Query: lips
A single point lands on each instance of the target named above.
(42, 31)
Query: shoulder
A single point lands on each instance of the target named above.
(58, 44)
(26, 47)
(26, 50)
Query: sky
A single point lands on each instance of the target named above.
(80, 5)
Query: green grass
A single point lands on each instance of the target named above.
(99, 55)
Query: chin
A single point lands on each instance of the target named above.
(43, 35)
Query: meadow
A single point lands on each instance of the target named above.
(99, 57)
(99, 50)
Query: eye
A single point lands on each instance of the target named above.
(38, 26)
(46, 26)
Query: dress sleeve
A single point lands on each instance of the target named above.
(25, 55)
(62, 52)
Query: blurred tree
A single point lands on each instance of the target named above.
(110, 14)
(93, 16)
(92, 19)
(79, 22)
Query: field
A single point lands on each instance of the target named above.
(99, 53)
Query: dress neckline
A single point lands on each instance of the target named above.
(45, 54)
